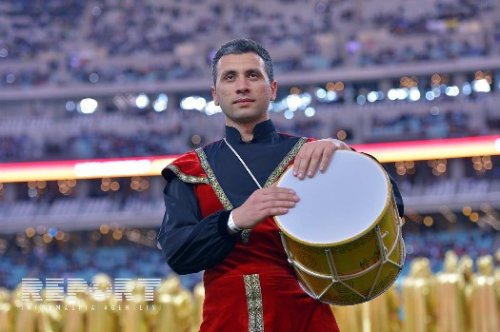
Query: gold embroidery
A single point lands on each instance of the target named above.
(245, 235)
(254, 303)
(187, 178)
(284, 163)
(212, 180)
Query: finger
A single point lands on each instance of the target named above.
(278, 205)
(296, 164)
(344, 146)
(316, 157)
(303, 165)
(277, 190)
(326, 159)
(300, 158)
(282, 197)
(278, 211)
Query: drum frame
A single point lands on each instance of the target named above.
(334, 277)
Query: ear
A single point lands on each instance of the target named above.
(214, 96)
(274, 90)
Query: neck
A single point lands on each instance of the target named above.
(245, 129)
(246, 132)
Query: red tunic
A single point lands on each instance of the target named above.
(254, 288)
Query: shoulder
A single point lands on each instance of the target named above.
(187, 168)
(288, 137)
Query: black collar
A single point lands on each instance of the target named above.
(262, 132)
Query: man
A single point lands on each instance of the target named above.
(220, 200)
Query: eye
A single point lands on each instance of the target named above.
(230, 77)
(253, 75)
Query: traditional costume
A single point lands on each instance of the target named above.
(249, 284)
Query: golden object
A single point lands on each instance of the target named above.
(101, 316)
(381, 313)
(49, 317)
(199, 298)
(483, 303)
(417, 298)
(348, 317)
(175, 307)
(133, 311)
(75, 309)
(377, 315)
(25, 312)
(450, 297)
(6, 312)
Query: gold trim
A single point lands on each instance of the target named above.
(212, 180)
(245, 235)
(187, 178)
(254, 303)
(385, 211)
(284, 163)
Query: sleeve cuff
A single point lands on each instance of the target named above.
(222, 226)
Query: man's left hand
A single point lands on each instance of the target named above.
(314, 155)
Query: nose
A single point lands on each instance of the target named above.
(242, 86)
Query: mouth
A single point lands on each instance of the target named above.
(243, 101)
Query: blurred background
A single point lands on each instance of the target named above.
(96, 97)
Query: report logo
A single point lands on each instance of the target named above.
(57, 289)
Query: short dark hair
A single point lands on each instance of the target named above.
(241, 46)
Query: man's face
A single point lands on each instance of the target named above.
(242, 88)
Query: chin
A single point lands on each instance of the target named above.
(246, 117)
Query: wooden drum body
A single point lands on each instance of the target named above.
(344, 237)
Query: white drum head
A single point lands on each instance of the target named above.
(338, 205)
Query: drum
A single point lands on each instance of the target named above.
(343, 238)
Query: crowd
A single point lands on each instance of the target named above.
(122, 134)
(85, 254)
(80, 42)
(31, 258)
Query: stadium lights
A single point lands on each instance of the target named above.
(193, 103)
(466, 89)
(401, 94)
(293, 102)
(288, 114)
(361, 100)
(309, 112)
(82, 169)
(161, 103)
(70, 106)
(212, 109)
(152, 166)
(87, 106)
(321, 93)
(142, 101)
(414, 94)
(372, 96)
(452, 91)
(481, 85)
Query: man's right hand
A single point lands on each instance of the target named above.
(266, 202)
